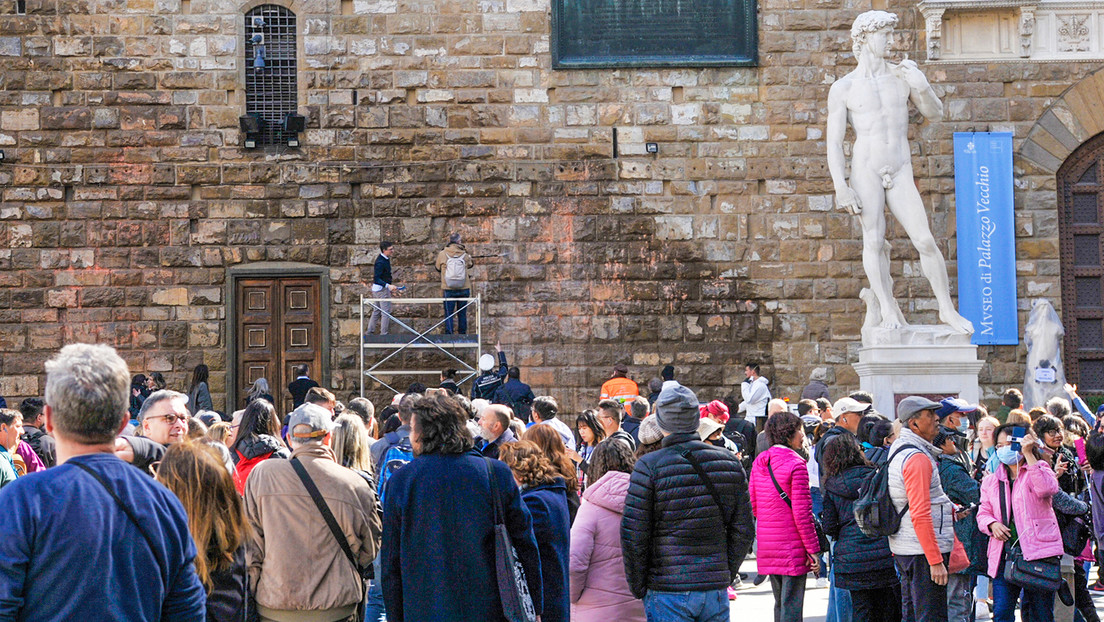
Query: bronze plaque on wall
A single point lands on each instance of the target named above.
(653, 33)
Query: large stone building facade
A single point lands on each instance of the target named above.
(132, 213)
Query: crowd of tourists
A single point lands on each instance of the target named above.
(441, 506)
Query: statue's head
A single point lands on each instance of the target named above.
(869, 23)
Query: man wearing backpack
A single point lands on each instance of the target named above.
(922, 544)
(389, 454)
(455, 264)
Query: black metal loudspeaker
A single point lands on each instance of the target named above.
(252, 125)
(293, 125)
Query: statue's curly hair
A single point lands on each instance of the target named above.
(528, 462)
(868, 22)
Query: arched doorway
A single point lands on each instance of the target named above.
(1081, 234)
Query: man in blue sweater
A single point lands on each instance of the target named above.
(93, 539)
(382, 289)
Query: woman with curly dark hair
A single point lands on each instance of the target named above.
(863, 566)
(438, 522)
(544, 493)
(549, 440)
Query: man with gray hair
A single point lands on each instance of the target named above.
(494, 423)
(922, 546)
(1058, 406)
(455, 264)
(298, 567)
(164, 420)
(93, 511)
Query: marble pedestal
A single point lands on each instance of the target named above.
(932, 361)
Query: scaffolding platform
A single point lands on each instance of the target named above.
(457, 349)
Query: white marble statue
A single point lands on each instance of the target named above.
(1045, 376)
(874, 97)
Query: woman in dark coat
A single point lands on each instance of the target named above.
(438, 553)
(543, 491)
(863, 566)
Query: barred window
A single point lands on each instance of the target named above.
(271, 89)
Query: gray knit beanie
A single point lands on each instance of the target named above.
(677, 410)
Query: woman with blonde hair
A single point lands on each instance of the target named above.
(544, 492)
(216, 519)
(220, 432)
(551, 443)
(350, 444)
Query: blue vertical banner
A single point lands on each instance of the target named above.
(986, 223)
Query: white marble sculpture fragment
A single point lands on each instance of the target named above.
(874, 98)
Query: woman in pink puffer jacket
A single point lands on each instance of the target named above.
(599, 591)
(788, 546)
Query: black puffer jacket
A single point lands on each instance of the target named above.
(861, 563)
(672, 533)
(260, 445)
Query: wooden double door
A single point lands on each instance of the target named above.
(279, 326)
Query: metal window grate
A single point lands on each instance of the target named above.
(271, 91)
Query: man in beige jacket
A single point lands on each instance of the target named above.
(455, 264)
(297, 569)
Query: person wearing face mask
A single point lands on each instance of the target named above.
(954, 419)
(965, 492)
(1016, 508)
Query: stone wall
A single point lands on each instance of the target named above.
(126, 192)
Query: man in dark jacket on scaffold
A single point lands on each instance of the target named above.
(686, 501)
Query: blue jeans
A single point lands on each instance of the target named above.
(1034, 606)
(450, 307)
(709, 606)
(373, 611)
(839, 600)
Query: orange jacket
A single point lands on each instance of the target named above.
(619, 389)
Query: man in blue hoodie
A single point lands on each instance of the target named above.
(94, 512)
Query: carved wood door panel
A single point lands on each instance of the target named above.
(279, 327)
(1081, 233)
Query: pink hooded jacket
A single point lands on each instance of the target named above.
(1036, 525)
(599, 590)
(785, 536)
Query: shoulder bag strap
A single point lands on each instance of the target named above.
(126, 510)
(498, 518)
(688, 454)
(781, 493)
(327, 515)
(1006, 511)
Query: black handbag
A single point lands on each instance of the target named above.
(822, 538)
(1044, 575)
(513, 589)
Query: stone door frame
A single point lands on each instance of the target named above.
(272, 270)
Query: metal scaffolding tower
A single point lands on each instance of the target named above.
(388, 347)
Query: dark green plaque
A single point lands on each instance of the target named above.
(653, 33)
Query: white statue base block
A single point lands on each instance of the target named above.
(933, 361)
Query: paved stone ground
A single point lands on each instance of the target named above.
(757, 603)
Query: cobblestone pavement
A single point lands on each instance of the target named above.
(756, 603)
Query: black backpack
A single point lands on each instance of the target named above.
(874, 510)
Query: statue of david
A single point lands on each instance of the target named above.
(874, 98)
